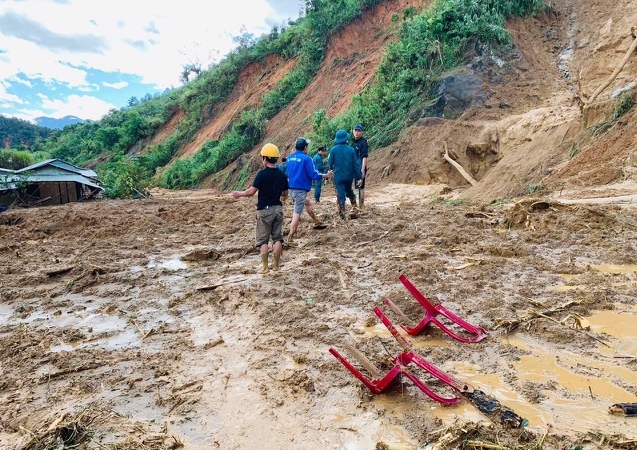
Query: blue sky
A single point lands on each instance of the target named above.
(86, 57)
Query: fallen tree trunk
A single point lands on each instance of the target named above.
(458, 167)
(619, 68)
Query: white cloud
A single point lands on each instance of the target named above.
(147, 37)
(120, 85)
(38, 63)
(84, 106)
(27, 83)
(8, 99)
(62, 42)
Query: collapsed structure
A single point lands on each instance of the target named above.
(50, 182)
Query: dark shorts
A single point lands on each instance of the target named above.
(269, 224)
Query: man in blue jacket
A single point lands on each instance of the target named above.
(346, 167)
(321, 167)
(301, 173)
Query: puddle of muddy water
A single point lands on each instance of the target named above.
(173, 263)
(422, 341)
(234, 406)
(619, 325)
(581, 388)
(5, 314)
(614, 269)
(364, 429)
(118, 330)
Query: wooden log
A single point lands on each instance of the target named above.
(54, 272)
(619, 68)
(458, 167)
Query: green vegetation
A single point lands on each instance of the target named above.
(19, 134)
(574, 151)
(499, 202)
(625, 103)
(124, 180)
(534, 188)
(455, 202)
(448, 201)
(432, 43)
(15, 159)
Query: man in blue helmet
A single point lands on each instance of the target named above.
(301, 173)
(346, 167)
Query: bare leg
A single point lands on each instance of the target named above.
(264, 250)
(310, 211)
(277, 250)
(296, 219)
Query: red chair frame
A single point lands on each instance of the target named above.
(432, 315)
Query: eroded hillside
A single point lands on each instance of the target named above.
(524, 128)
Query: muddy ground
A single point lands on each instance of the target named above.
(143, 324)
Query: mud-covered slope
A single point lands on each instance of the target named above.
(530, 131)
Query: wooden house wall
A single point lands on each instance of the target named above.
(60, 192)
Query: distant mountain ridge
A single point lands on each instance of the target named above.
(18, 132)
(57, 124)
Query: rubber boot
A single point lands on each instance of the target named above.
(341, 210)
(264, 261)
(277, 262)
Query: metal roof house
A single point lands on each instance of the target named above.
(50, 182)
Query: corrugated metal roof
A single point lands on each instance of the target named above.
(49, 171)
(44, 178)
(9, 184)
(62, 165)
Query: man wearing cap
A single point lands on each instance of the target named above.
(346, 167)
(321, 167)
(301, 173)
(272, 185)
(362, 150)
(283, 166)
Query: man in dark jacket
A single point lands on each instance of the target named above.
(346, 167)
(362, 151)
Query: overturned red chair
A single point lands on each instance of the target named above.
(434, 314)
(379, 382)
